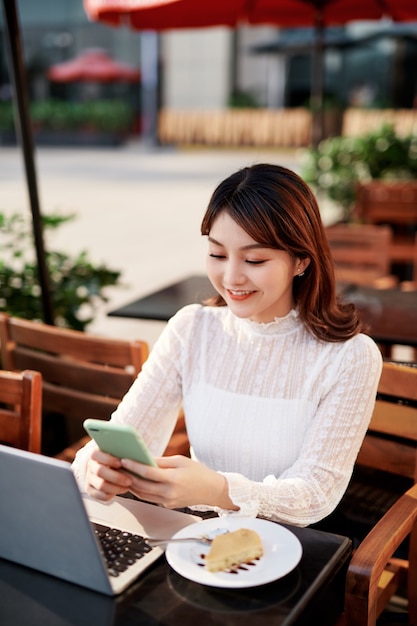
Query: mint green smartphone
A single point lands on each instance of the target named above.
(119, 440)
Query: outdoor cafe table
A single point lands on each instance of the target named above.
(311, 594)
(391, 314)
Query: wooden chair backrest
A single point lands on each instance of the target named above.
(83, 375)
(21, 409)
(391, 441)
(361, 252)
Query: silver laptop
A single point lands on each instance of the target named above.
(48, 525)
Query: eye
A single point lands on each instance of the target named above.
(255, 262)
(216, 256)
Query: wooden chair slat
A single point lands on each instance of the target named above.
(77, 404)
(405, 417)
(61, 370)
(387, 456)
(74, 343)
(21, 409)
(398, 380)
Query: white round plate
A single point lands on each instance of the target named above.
(282, 552)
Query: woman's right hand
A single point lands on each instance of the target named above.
(105, 477)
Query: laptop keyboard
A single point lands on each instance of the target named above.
(120, 549)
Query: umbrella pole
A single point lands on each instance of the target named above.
(317, 81)
(25, 136)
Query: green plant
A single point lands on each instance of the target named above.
(76, 283)
(6, 117)
(339, 163)
(112, 116)
(97, 115)
(243, 100)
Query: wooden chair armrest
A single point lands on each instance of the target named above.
(373, 555)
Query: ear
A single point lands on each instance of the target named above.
(301, 266)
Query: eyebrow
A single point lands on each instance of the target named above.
(251, 246)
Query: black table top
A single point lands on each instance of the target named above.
(312, 593)
(163, 304)
(390, 313)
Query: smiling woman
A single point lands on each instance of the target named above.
(276, 380)
(243, 271)
(271, 209)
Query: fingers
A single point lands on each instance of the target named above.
(146, 472)
(173, 484)
(149, 483)
(172, 461)
(105, 459)
(104, 478)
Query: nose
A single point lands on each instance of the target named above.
(233, 275)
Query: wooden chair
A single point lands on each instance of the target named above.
(21, 409)
(83, 375)
(394, 204)
(361, 254)
(374, 511)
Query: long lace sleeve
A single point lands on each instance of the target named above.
(152, 403)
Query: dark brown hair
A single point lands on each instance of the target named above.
(277, 208)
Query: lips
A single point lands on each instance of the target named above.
(239, 295)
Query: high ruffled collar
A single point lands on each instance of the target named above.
(280, 325)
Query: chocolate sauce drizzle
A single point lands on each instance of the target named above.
(243, 567)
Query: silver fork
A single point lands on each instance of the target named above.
(158, 541)
(206, 539)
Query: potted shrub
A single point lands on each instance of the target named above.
(77, 284)
(338, 164)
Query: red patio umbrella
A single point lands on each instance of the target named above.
(171, 14)
(93, 65)
(160, 15)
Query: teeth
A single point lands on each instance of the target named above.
(239, 293)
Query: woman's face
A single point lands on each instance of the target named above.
(255, 281)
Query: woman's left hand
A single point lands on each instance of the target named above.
(178, 482)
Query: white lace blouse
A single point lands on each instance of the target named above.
(280, 413)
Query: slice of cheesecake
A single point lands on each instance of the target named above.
(232, 549)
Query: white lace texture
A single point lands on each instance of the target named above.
(281, 414)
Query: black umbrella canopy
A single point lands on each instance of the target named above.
(302, 40)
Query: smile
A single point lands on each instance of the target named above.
(239, 295)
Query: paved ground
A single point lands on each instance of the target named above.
(138, 210)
